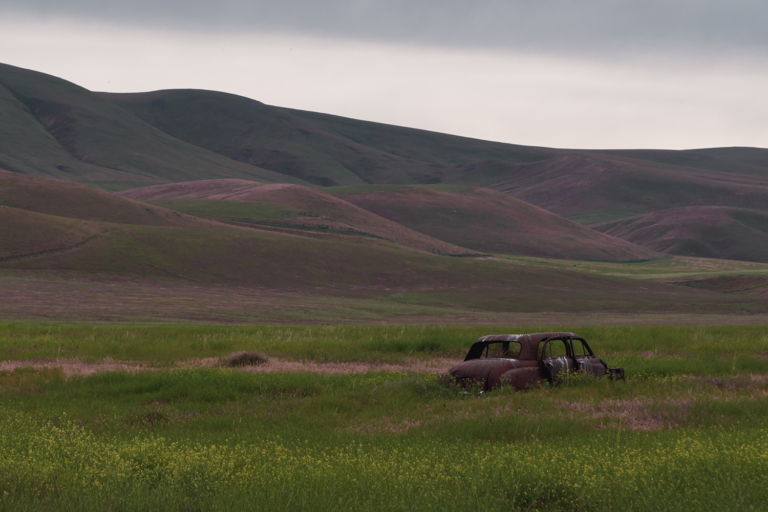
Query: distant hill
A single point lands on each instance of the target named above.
(322, 149)
(305, 209)
(53, 128)
(594, 188)
(73, 234)
(703, 231)
(489, 221)
(585, 186)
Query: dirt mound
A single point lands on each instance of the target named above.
(489, 221)
(239, 359)
(701, 231)
(321, 208)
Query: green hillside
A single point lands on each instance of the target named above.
(25, 233)
(585, 186)
(489, 221)
(273, 263)
(303, 209)
(589, 189)
(60, 130)
(108, 257)
(68, 199)
(711, 232)
(53, 128)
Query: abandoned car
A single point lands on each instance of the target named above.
(523, 360)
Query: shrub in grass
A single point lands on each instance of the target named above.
(243, 358)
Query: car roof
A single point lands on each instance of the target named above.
(528, 342)
(535, 337)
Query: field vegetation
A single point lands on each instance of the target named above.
(686, 430)
(490, 222)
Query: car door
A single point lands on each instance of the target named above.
(585, 359)
(556, 359)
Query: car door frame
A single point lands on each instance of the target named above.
(554, 366)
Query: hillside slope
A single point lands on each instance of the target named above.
(590, 189)
(249, 131)
(708, 232)
(273, 263)
(57, 129)
(315, 209)
(489, 221)
(53, 128)
(29, 233)
(331, 150)
(68, 199)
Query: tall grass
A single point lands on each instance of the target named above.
(656, 350)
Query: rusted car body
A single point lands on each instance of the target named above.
(523, 360)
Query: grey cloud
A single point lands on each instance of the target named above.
(561, 26)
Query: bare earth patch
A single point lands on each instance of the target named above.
(76, 366)
(634, 414)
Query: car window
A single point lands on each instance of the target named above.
(507, 349)
(555, 348)
(580, 348)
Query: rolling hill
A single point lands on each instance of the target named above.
(116, 253)
(53, 128)
(589, 189)
(304, 209)
(273, 264)
(489, 221)
(585, 186)
(117, 141)
(68, 199)
(25, 233)
(704, 231)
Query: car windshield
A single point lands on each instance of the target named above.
(505, 350)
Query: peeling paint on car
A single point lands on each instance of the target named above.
(529, 367)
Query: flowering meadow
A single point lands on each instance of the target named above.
(184, 438)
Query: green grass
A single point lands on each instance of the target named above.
(357, 268)
(365, 189)
(212, 439)
(685, 431)
(661, 351)
(661, 269)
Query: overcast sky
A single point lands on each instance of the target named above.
(588, 74)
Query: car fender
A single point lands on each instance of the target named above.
(522, 378)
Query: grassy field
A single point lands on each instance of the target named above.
(223, 210)
(686, 430)
(664, 350)
(664, 269)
